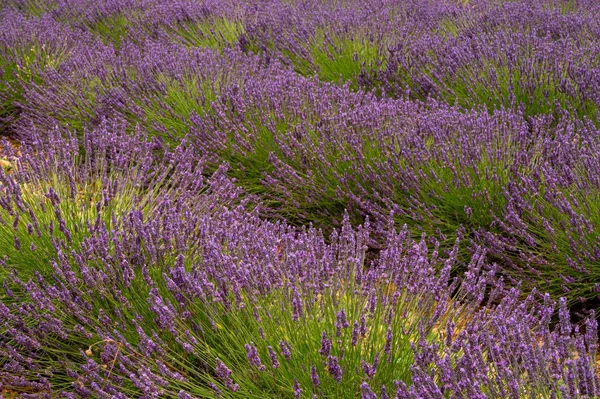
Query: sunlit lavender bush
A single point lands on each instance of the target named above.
(59, 190)
(222, 304)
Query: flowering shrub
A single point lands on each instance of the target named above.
(233, 306)
(27, 48)
(57, 193)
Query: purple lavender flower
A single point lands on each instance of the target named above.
(388, 342)
(334, 368)
(184, 395)
(253, 358)
(341, 322)
(297, 305)
(285, 349)
(314, 376)
(325, 349)
(297, 390)
(384, 394)
(216, 389)
(369, 369)
(224, 374)
(273, 356)
(355, 333)
(363, 326)
(366, 391)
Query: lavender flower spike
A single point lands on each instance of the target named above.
(253, 357)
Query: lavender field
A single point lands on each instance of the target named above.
(302, 199)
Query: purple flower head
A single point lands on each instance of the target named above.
(369, 369)
(216, 389)
(7, 289)
(366, 391)
(468, 211)
(273, 356)
(388, 342)
(224, 374)
(314, 376)
(373, 302)
(184, 395)
(355, 333)
(253, 358)
(325, 345)
(297, 305)
(285, 349)
(334, 368)
(297, 390)
(384, 394)
(341, 322)
(363, 326)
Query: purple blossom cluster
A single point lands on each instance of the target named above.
(376, 199)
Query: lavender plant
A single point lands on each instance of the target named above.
(59, 190)
(236, 307)
(551, 222)
(28, 46)
(208, 25)
(337, 42)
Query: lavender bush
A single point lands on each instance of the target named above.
(29, 46)
(56, 193)
(233, 306)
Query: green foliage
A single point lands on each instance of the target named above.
(233, 329)
(216, 32)
(112, 29)
(167, 116)
(75, 208)
(343, 59)
(498, 85)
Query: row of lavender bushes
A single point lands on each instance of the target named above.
(540, 56)
(178, 290)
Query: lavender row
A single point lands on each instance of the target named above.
(202, 298)
(536, 55)
(540, 56)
